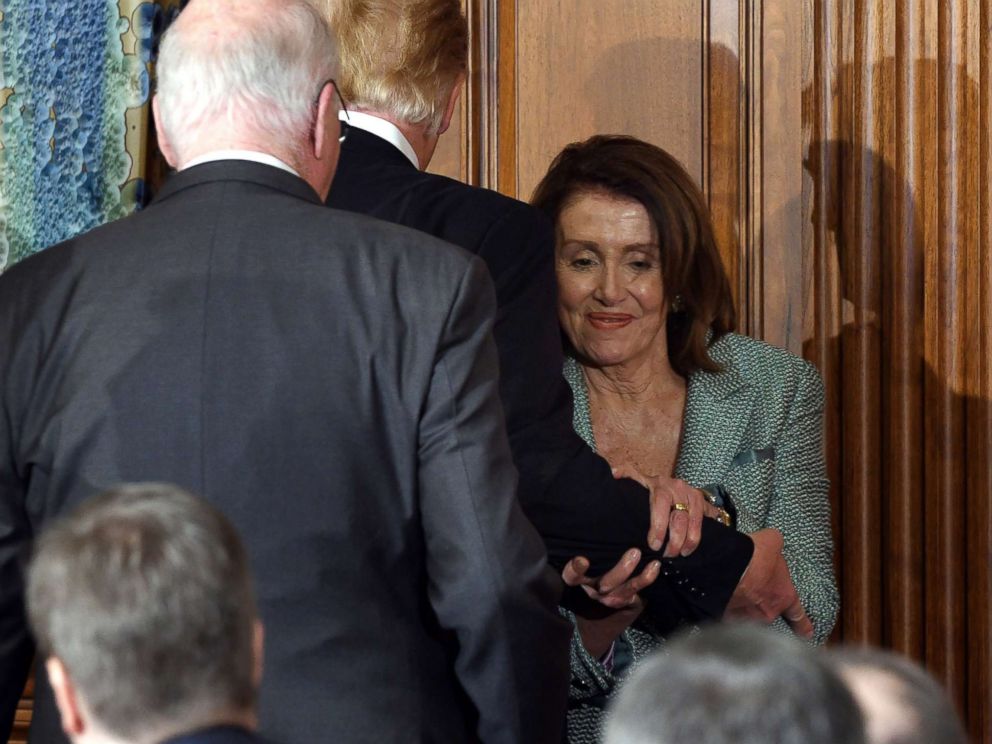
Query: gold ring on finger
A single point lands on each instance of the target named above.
(679, 506)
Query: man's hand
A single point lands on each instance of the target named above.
(766, 591)
(684, 523)
(615, 590)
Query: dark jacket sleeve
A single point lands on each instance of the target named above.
(16, 646)
(489, 580)
(566, 489)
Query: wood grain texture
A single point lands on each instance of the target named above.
(606, 66)
(979, 413)
(902, 377)
(22, 717)
(944, 345)
(452, 157)
(724, 131)
(778, 263)
(896, 211)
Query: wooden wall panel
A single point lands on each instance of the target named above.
(22, 718)
(724, 133)
(896, 121)
(979, 412)
(606, 66)
(773, 95)
(450, 158)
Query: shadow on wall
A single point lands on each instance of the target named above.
(902, 392)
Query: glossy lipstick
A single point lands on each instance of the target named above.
(609, 321)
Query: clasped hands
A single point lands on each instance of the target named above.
(764, 593)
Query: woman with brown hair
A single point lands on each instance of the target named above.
(663, 386)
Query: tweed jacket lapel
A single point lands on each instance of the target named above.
(715, 420)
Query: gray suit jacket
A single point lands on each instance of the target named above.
(329, 381)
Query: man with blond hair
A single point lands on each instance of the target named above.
(328, 381)
(403, 67)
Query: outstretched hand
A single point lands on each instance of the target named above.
(616, 590)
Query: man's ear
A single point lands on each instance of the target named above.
(163, 140)
(449, 109)
(326, 127)
(66, 698)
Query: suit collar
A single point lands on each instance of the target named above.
(362, 146)
(383, 129)
(238, 170)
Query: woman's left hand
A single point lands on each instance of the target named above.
(682, 523)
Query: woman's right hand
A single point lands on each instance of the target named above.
(616, 590)
(683, 523)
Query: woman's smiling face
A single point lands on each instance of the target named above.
(611, 299)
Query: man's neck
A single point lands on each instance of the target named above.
(251, 155)
(203, 148)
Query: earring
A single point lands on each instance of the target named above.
(677, 304)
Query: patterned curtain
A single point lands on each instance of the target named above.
(74, 116)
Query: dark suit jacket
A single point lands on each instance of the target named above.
(329, 381)
(565, 488)
(219, 735)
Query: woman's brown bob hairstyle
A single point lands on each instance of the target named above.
(695, 283)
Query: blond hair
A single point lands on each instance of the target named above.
(400, 57)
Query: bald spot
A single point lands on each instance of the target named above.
(880, 695)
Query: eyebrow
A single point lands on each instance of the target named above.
(593, 245)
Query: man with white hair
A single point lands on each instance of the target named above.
(143, 607)
(326, 380)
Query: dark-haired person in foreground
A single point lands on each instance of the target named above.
(902, 703)
(327, 380)
(735, 684)
(403, 67)
(142, 605)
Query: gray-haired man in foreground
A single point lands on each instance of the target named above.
(142, 605)
(735, 684)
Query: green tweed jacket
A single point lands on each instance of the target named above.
(756, 428)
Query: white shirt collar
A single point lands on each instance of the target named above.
(252, 155)
(384, 129)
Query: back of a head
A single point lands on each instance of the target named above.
(901, 702)
(144, 595)
(243, 70)
(735, 684)
(400, 57)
